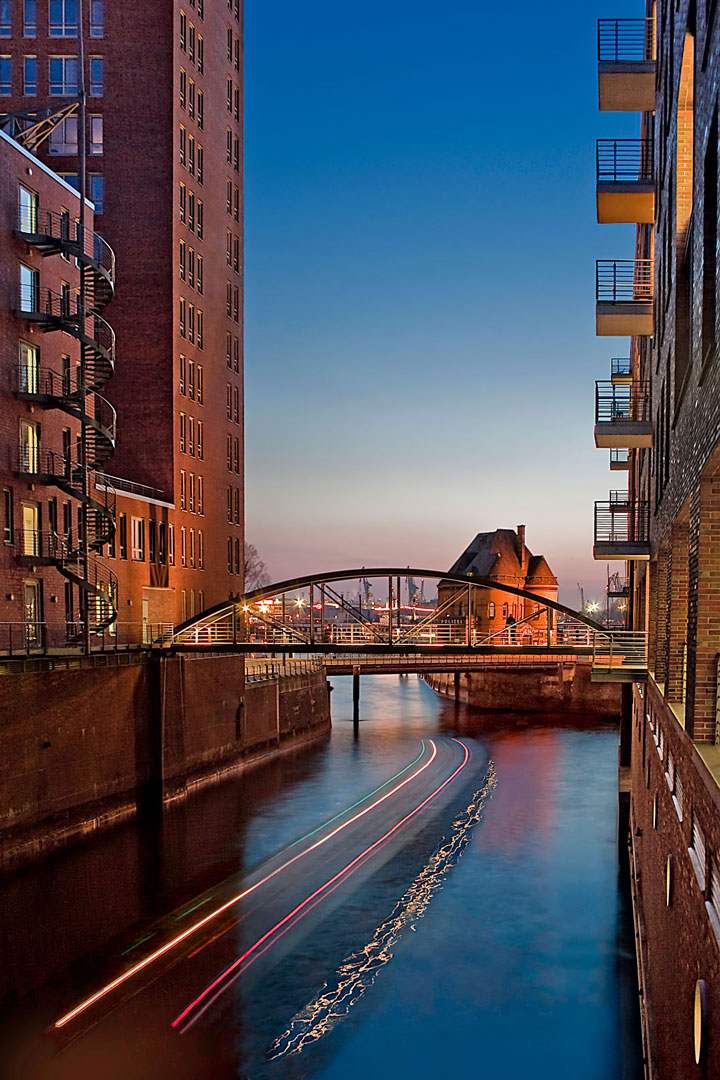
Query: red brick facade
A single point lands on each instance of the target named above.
(165, 101)
(675, 761)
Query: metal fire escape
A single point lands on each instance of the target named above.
(74, 470)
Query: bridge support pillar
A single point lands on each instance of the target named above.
(356, 701)
(456, 685)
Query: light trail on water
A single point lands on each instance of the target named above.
(219, 984)
(185, 934)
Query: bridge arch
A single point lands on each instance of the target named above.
(235, 608)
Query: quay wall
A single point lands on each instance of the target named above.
(83, 746)
(563, 686)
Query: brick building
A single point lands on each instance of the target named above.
(164, 138)
(659, 414)
(502, 556)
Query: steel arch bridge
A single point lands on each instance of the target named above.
(316, 614)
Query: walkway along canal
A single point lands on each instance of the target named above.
(430, 897)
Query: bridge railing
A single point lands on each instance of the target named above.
(620, 653)
(265, 670)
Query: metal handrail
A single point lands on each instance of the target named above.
(626, 40)
(624, 280)
(137, 489)
(627, 522)
(621, 651)
(64, 387)
(625, 401)
(67, 311)
(39, 225)
(625, 160)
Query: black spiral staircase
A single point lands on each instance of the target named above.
(77, 393)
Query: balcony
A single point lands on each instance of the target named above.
(620, 370)
(624, 298)
(53, 234)
(620, 656)
(622, 416)
(622, 528)
(625, 189)
(626, 65)
(63, 312)
(619, 461)
(618, 588)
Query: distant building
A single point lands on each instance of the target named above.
(502, 556)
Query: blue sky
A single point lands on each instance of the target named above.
(420, 247)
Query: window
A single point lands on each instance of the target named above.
(183, 548)
(228, 146)
(237, 506)
(171, 545)
(182, 260)
(183, 145)
(152, 541)
(6, 76)
(236, 405)
(63, 18)
(200, 329)
(236, 104)
(236, 354)
(228, 401)
(183, 316)
(237, 557)
(183, 88)
(96, 189)
(228, 350)
(183, 490)
(191, 212)
(236, 254)
(63, 76)
(122, 535)
(200, 555)
(97, 80)
(228, 247)
(191, 43)
(229, 449)
(183, 202)
(236, 154)
(230, 554)
(228, 196)
(200, 439)
(200, 282)
(236, 202)
(199, 487)
(191, 380)
(96, 136)
(29, 288)
(191, 323)
(191, 98)
(228, 299)
(183, 433)
(138, 539)
(8, 516)
(236, 58)
(229, 504)
(236, 304)
(191, 435)
(28, 360)
(97, 18)
(191, 155)
(192, 563)
(183, 31)
(236, 455)
(230, 45)
(5, 19)
(199, 219)
(697, 852)
(28, 201)
(191, 268)
(200, 165)
(29, 18)
(200, 54)
(64, 137)
(184, 605)
(161, 544)
(30, 75)
(191, 493)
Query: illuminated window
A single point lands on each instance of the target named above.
(138, 539)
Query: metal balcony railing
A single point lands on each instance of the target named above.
(627, 522)
(626, 41)
(619, 458)
(51, 231)
(620, 655)
(62, 311)
(620, 367)
(62, 389)
(624, 160)
(624, 281)
(624, 401)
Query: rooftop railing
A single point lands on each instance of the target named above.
(624, 160)
(120, 484)
(626, 41)
(624, 281)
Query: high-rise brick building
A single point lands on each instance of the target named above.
(164, 137)
(659, 414)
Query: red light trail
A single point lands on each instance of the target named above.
(237, 965)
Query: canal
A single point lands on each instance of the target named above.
(443, 894)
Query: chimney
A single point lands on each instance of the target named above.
(521, 547)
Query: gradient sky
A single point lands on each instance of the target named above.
(420, 248)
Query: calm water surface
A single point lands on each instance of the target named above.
(496, 943)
